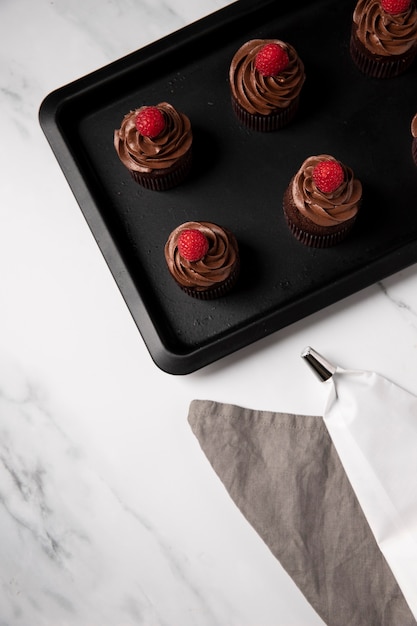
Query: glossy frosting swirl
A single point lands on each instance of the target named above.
(325, 209)
(382, 33)
(145, 154)
(414, 126)
(264, 94)
(214, 268)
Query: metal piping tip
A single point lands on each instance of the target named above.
(321, 366)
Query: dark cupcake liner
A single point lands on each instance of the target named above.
(414, 150)
(265, 123)
(318, 241)
(378, 66)
(161, 180)
(217, 291)
(316, 237)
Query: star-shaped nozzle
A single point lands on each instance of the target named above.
(321, 366)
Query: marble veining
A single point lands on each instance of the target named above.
(109, 512)
(66, 526)
(403, 302)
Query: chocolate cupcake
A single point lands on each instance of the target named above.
(414, 138)
(266, 77)
(383, 41)
(155, 145)
(321, 201)
(203, 259)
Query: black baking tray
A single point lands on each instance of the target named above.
(239, 176)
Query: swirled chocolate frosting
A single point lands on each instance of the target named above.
(325, 209)
(259, 94)
(382, 33)
(414, 126)
(214, 268)
(145, 154)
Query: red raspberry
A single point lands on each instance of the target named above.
(328, 176)
(271, 59)
(395, 6)
(192, 244)
(150, 121)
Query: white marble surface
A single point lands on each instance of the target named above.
(109, 512)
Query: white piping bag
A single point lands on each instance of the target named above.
(373, 425)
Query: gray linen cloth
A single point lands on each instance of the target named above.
(283, 473)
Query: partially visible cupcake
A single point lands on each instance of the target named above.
(155, 145)
(383, 41)
(266, 77)
(203, 259)
(321, 201)
(414, 138)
